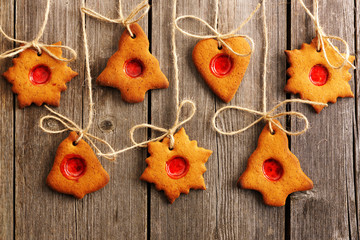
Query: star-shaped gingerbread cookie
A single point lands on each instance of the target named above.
(39, 79)
(132, 69)
(178, 170)
(76, 170)
(273, 170)
(313, 78)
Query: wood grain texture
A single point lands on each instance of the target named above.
(223, 211)
(120, 210)
(40, 212)
(6, 129)
(326, 151)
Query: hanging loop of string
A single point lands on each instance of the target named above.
(135, 15)
(38, 46)
(219, 36)
(166, 132)
(269, 117)
(321, 37)
(68, 124)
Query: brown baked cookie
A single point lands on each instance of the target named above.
(221, 69)
(273, 170)
(132, 69)
(178, 170)
(76, 170)
(39, 79)
(313, 79)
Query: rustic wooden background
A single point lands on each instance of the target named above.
(128, 208)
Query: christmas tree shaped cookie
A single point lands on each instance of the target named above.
(76, 170)
(39, 78)
(132, 69)
(221, 69)
(176, 170)
(313, 78)
(273, 170)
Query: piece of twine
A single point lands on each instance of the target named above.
(320, 34)
(268, 116)
(68, 124)
(220, 37)
(130, 19)
(40, 47)
(178, 107)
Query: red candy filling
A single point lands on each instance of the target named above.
(133, 68)
(319, 75)
(177, 167)
(40, 74)
(73, 167)
(272, 170)
(221, 65)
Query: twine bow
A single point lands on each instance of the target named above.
(320, 34)
(40, 47)
(269, 117)
(219, 36)
(130, 19)
(167, 132)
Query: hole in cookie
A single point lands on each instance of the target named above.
(220, 47)
(272, 170)
(39, 74)
(221, 65)
(133, 68)
(319, 75)
(133, 36)
(73, 166)
(74, 143)
(177, 167)
(39, 54)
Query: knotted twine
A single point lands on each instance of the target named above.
(320, 34)
(220, 37)
(268, 116)
(178, 107)
(40, 47)
(130, 19)
(68, 124)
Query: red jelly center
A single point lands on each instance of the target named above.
(221, 65)
(133, 68)
(73, 166)
(177, 167)
(318, 75)
(272, 170)
(40, 74)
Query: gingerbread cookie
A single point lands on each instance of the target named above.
(39, 79)
(313, 78)
(132, 69)
(178, 170)
(76, 170)
(221, 69)
(273, 170)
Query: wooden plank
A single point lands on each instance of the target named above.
(223, 210)
(120, 210)
(40, 212)
(6, 129)
(326, 150)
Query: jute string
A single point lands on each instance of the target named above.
(68, 124)
(133, 17)
(220, 37)
(320, 34)
(268, 116)
(179, 107)
(40, 47)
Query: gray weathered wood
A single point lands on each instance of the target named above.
(326, 150)
(6, 130)
(40, 212)
(120, 209)
(222, 211)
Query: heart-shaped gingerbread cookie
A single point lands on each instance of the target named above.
(221, 69)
